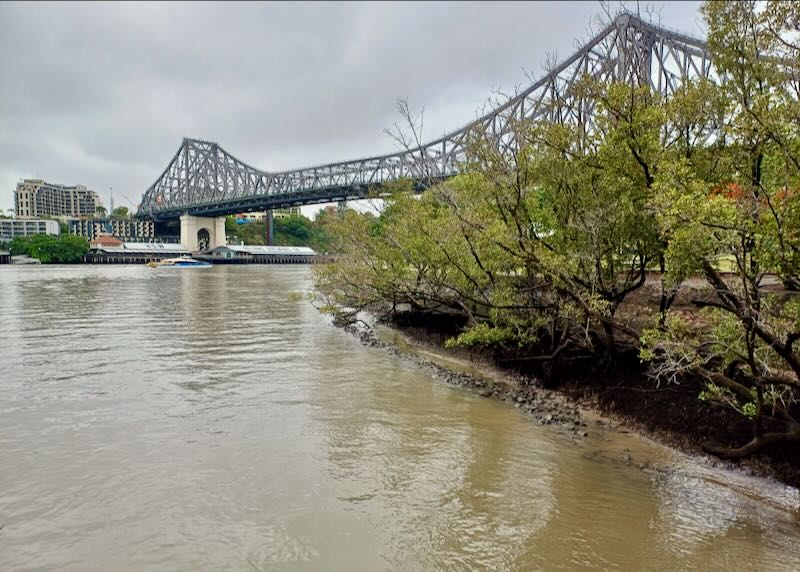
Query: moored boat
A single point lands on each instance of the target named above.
(180, 262)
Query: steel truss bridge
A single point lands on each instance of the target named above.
(202, 179)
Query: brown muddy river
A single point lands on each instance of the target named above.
(207, 420)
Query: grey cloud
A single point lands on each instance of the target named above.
(101, 94)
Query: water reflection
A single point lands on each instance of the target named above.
(192, 420)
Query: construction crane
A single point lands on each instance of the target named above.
(130, 202)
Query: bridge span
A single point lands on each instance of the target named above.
(204, 180)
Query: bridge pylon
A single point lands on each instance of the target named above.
(202, 233)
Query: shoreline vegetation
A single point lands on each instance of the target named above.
(650, 264)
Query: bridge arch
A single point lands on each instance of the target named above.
(203, 239)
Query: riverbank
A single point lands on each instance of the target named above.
(546, 407)
(584, 402)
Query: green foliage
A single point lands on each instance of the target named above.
(287, 231)
(292, 231)
(540, 249)
(552, 238)
(120, 212)
(724, 396)
(735, 207)
(63, 249)
(481, 335)
(100, 212)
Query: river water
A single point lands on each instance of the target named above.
(155, 419)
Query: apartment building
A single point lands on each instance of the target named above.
(36, 198)
(127, 229)
(12, 228)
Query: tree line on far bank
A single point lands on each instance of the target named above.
(295, 230)
(545, 254)
(61, 249)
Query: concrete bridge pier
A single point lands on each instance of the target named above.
(202, 233)
(270, 238)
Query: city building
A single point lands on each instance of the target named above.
(232, 254)
(11, 228)
(127, 229)
(287, 212)
(106, 242)
(259, 215)
(249, 217)
(36, 198)
(108, 250)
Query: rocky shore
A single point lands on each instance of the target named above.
(545, 407)
(575, 412)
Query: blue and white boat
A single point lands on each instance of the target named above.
(181, 262)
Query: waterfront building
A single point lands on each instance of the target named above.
(255, 254)
(105, 242)
(125, 229)
(108, 250)
(11, 228)
(36, 198)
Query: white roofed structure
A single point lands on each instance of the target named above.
(257, 254)
(256, 249)
(134, 252)
(155, 247)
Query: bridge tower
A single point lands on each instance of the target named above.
(202, 233)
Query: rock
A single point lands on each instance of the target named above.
(584, 434)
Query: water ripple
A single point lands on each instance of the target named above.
(204, 421)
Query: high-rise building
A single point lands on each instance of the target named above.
(36, 198)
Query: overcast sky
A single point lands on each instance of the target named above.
(102, 94)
